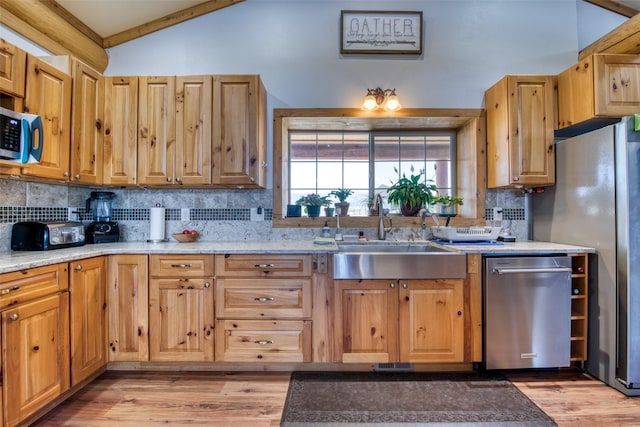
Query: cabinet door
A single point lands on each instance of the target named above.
(617, 85)
(366, 321)
(35, 341)
(156, 130)
(86, 124)
(13, 63)
(120, 131)
(181, 320)
(239, 131)
(128, 303)
(48, 93)
(431, 320)
(532, 107)
(88, 290)
(193, 130)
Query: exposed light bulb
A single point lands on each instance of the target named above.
(392, 104)
(370, 103)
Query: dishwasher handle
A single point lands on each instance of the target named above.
(532, 270)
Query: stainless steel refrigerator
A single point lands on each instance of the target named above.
(596, 203)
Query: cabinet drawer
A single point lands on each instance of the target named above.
(263, 341)
(181, 265)
(263, 298)
(25, 285)
(252, 265)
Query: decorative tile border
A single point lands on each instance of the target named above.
(511, 214)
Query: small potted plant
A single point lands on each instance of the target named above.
(411, 193)
(448, 204)
(342, 194)
(313, 202)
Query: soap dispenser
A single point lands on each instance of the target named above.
(326, 232)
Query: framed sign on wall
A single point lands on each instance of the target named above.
(386, 32)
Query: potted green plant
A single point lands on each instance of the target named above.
(342, 194)
(312, 203)
(448, 203)
(411, 193)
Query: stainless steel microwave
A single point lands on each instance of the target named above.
(21, 137)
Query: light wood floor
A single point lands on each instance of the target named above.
(256, 399)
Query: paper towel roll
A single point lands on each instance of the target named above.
(156, 233)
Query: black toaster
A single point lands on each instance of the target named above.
(42, 236)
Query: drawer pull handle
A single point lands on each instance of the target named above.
(263, 342)
(14, 316)
(11, 289)
(263, 265)
(264, 299)
(181, 266)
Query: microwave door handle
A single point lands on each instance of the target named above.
(36, 127)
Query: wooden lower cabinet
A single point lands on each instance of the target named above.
(35, 338)
(88, 291)
(128, 302)
(181, 319)
(383, 321)
(263, 341)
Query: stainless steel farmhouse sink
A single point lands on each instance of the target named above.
(397, 260)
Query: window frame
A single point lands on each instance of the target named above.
(468, 124)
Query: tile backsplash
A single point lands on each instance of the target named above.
(220, 215)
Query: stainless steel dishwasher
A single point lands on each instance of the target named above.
(527, 312)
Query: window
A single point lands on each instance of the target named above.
(367, 162)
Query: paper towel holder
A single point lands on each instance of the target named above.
(159, 215)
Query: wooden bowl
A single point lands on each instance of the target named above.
(185, 237)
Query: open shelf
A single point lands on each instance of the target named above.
(579, 307)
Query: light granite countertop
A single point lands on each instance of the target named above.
(15, 260)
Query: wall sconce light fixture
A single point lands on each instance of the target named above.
(377, 97)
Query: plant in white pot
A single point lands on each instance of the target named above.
(448, 203)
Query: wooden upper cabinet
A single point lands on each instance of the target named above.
(239, 131)
(193, 130)
(48, 93)
(13, 64)
(120, 131)
(86, 124)
(521, 113)
(88, 290)
(597, 87)
(156, 130)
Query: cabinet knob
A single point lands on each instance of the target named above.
(14, 316)
(178, 180)
(207, 285)
(405, 286)
(392, 285)
(77, 176)
(252, 179)
(168, 179)
(516, 178)
(78, 267)
(66, 174)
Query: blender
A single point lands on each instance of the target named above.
(102, 229)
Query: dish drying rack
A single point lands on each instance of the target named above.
(466, 234)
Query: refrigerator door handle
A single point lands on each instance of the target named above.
(531, 270)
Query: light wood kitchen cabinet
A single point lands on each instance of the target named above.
(579, 307)
(120, 131)
(86, 124)
(263, 308)
(181, 319)
(598, 87)
(193, 130)
(48, 93)
(521, 117)
(383, 321)
(128, 304)
(88, 295)
(35, 339)
(13, 64)
(239, 131)
(156, 129)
